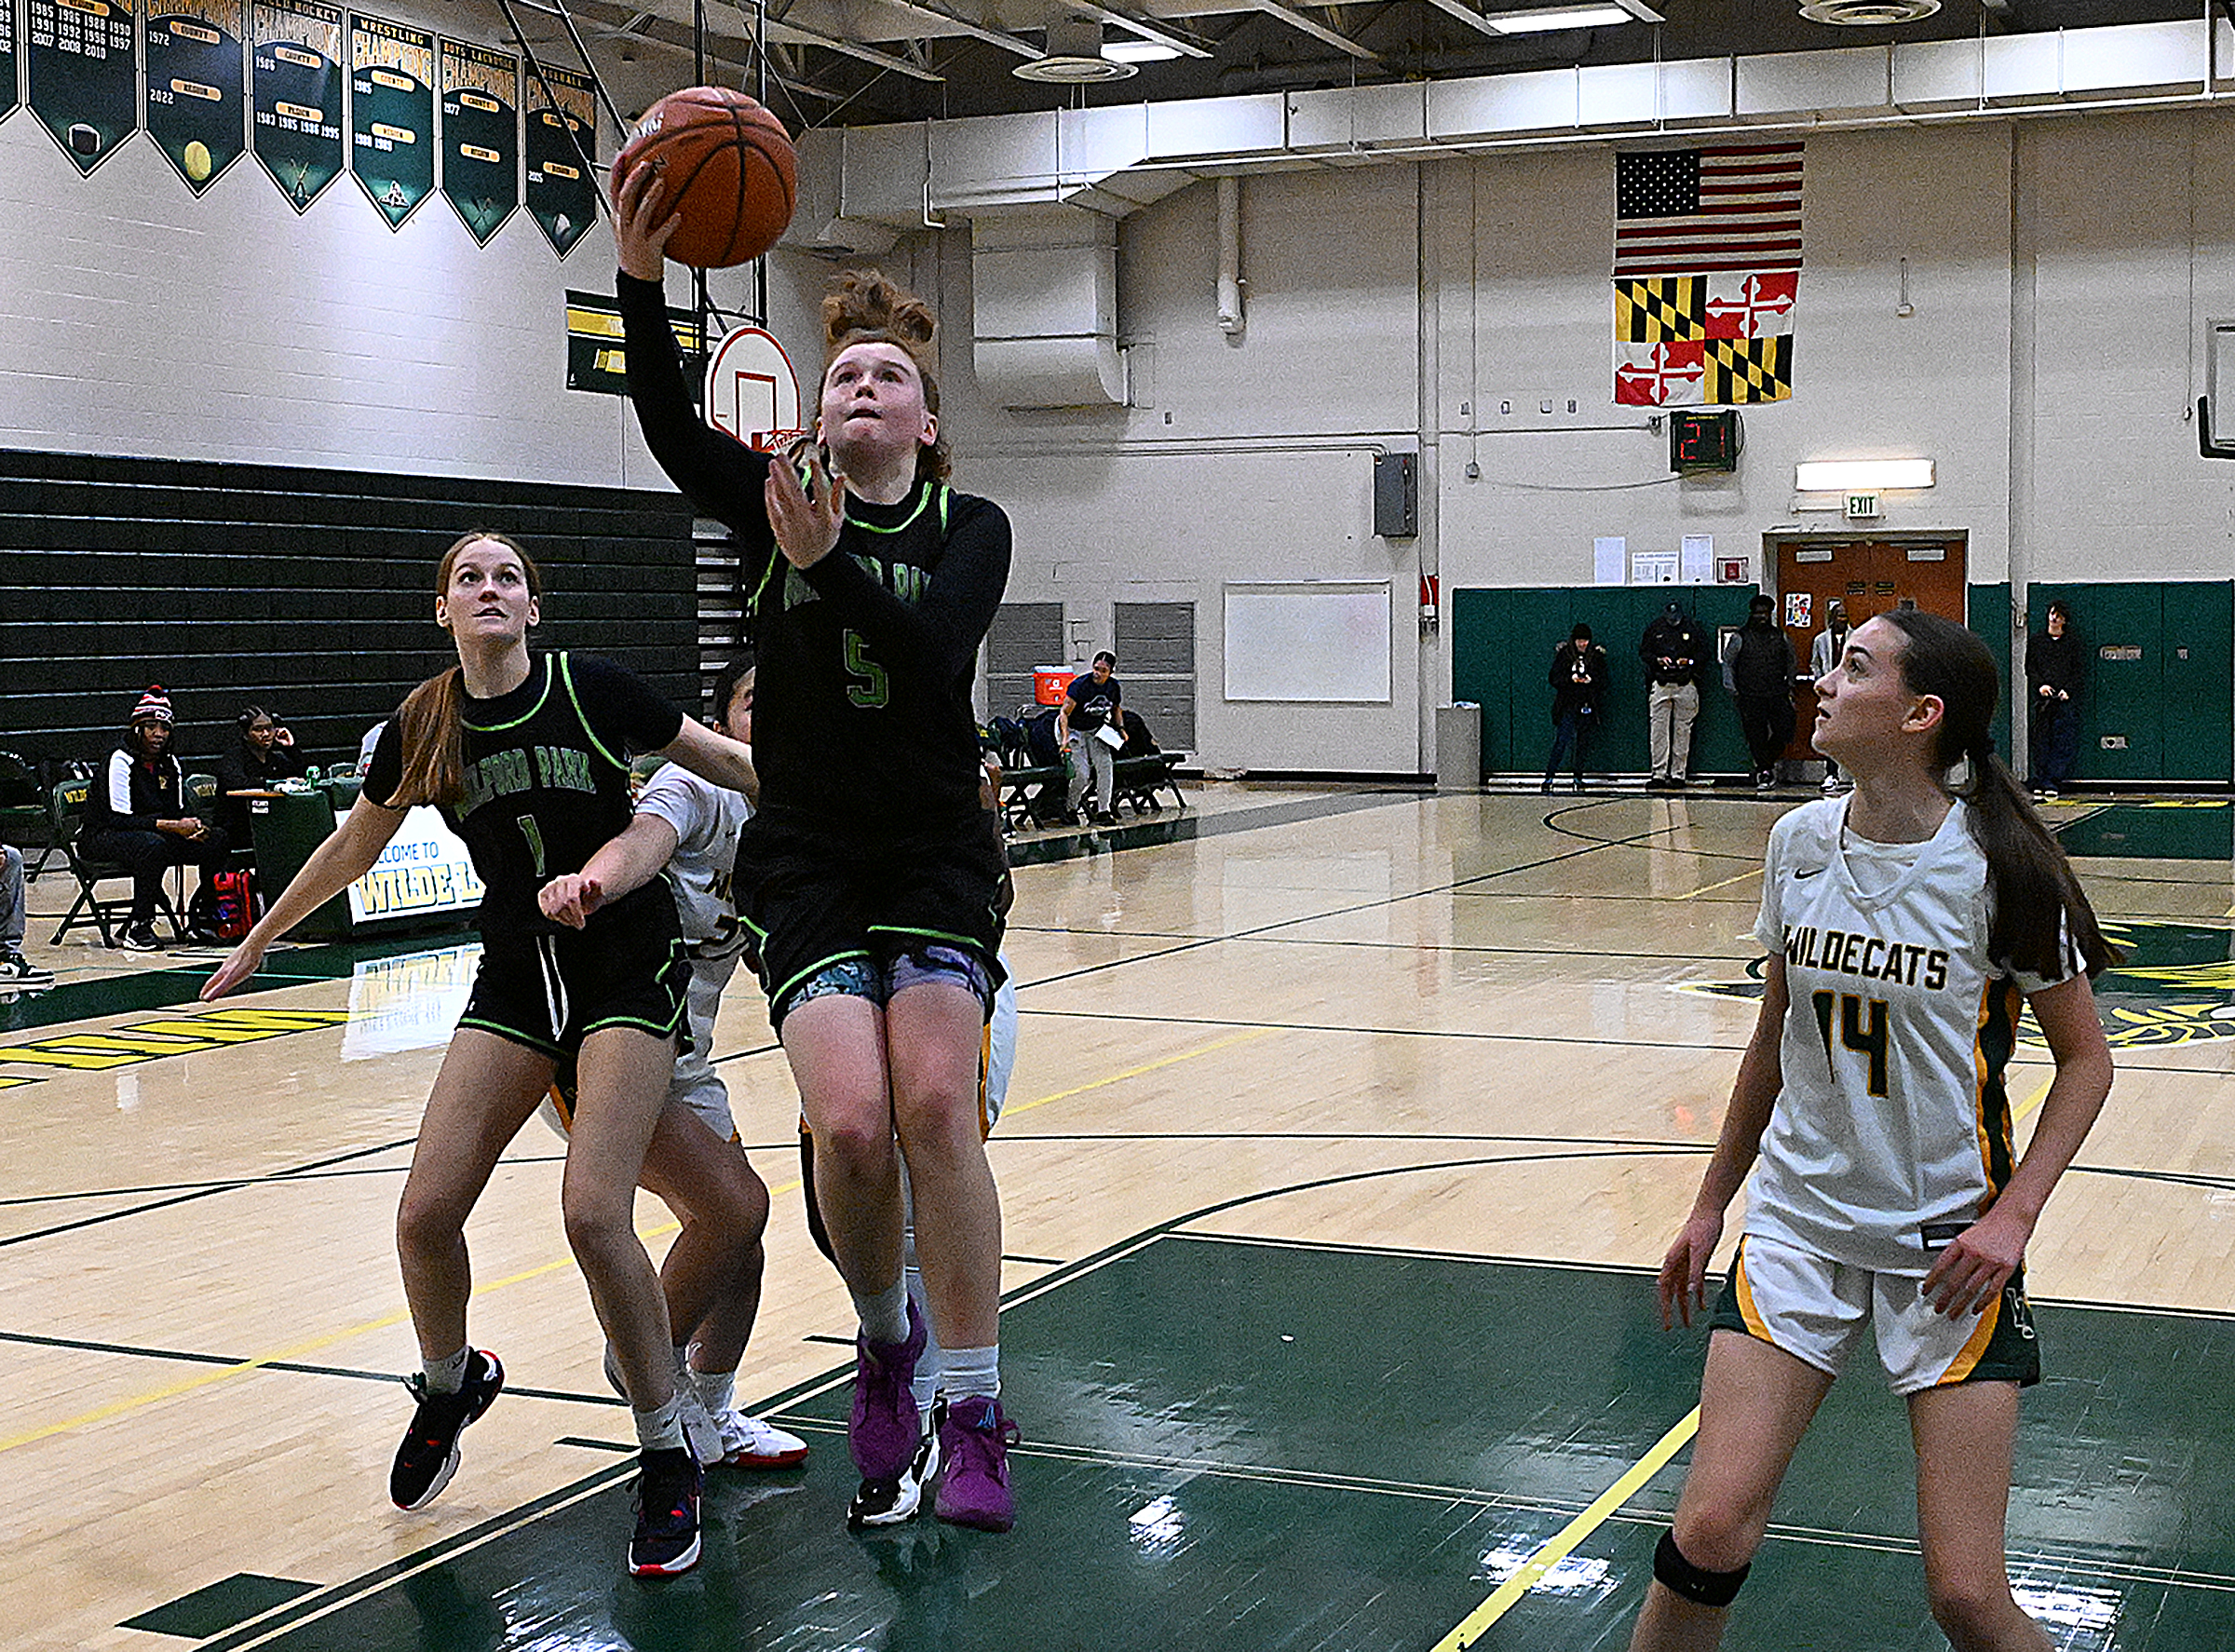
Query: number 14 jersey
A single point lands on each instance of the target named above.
(1892, 1131)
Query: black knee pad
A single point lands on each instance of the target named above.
(1696, 1585)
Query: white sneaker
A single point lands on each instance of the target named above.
(1831, 785)
(748, 1442)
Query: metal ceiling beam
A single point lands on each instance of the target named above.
(866, 54)
(1023, 48)
(1318, 31)
(1148, 29)
(1467, 15)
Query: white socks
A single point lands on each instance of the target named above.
(446, 1376)
(660, 1430)
(885, 1316)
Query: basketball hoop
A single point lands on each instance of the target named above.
(775, 441)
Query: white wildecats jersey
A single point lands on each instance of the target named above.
(1892, 1128)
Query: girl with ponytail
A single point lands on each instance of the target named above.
(526, 756)
(1908, 922)
(870, 877)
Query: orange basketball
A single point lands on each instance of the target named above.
(731, 173)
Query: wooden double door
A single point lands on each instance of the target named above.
(1870, 576)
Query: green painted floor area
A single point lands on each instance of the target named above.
(1256, 1447)
(2200, 829)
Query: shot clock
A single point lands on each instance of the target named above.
(1703, 441)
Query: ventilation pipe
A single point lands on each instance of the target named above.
(1229, 255)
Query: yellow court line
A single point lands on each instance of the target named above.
(293, 1352)
(1533, 1570)
(1710, 889)
(1170, 1061)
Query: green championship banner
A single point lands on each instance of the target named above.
(85, 78)
(194, 86)
(392, 113)
(562, 143)
(594, 357)
(8, 58)
(295, 88)
(480, 136)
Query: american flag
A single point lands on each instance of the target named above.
(1689, 211)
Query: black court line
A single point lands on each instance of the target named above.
(1301, 1027)
(1146, 834)
(233, 1183)
(230, 1187)
(334, 1595)
(1456, 884)
(356, 1373)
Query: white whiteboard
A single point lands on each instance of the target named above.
(1323, 641)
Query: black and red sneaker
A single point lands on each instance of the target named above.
(429, 1456)
(667, 1487)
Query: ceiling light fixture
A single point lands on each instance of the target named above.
(1543, 20)
(1138, 51)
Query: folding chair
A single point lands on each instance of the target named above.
(66, 805)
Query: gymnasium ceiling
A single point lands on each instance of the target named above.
(859, 63)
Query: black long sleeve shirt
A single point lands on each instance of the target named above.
(861, 710)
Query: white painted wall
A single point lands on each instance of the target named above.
(2062, 273)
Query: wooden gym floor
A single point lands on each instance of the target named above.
(1345, 1129)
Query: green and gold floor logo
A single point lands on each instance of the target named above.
(2177, 985)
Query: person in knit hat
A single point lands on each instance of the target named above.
(136, 816)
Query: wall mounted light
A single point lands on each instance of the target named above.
(1859, 476)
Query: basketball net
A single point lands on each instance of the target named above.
(775, 441)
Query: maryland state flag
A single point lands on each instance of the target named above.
(1704, 340)
(1706, 273)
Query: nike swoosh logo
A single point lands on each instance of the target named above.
(1801, 872)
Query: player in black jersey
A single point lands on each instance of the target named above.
(527, 755)
(871, 877)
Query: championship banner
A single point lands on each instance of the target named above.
(194, 86)
(295, 74)
(8, 58)
(562, 143)
(480, 136)
(85, 80)
(392, 113)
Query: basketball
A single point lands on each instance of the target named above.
(731, 173)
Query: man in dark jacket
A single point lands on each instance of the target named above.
(2053, 661)
(1757, 669)
(1673, 649)
(136, 816)
(1579, 683)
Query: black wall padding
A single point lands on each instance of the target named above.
(307, 591)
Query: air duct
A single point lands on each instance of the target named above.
(1044, 291)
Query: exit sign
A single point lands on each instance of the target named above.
(1863, 506)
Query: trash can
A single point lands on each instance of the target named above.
(1459, 747)
(287, 827)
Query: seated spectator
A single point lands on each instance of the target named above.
(15, 969)
(264, 752)
(136, 815)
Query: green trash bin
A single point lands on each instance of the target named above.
(288, 828)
